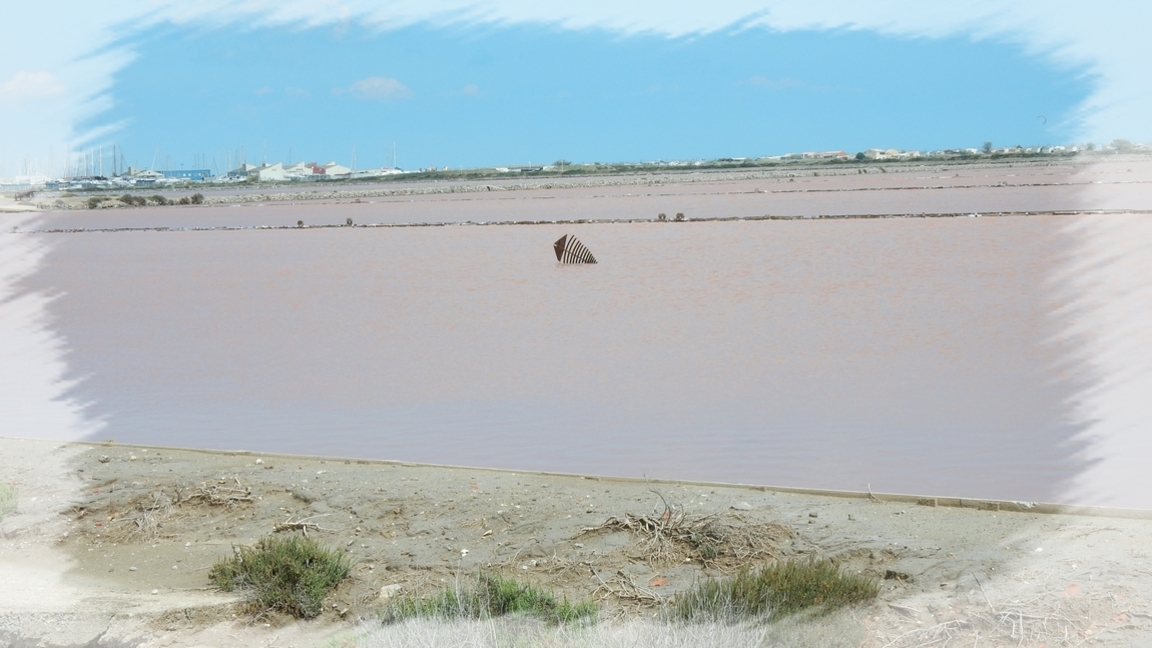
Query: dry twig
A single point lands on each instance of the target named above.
(301, 525)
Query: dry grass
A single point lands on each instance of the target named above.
(1051, 616)
(489, 596)
(837, 631)
(775, 591)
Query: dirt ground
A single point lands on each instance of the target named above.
(111, 545)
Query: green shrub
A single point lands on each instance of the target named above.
(184, 201)
(158, 199)
(491, 596)
(94, 202)
(126, 199)
(8, 499)
(777, 590)
(197, 199)
(290, 574)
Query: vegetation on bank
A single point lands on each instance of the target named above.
(774, 591)
(8, 499)
(490, 596)
(98, 202)
(769, 593)
(289, 574)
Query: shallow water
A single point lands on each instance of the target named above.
(906, 355)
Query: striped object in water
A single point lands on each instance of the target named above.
(570, 250)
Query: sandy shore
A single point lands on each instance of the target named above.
(111, 545)
(11, 206)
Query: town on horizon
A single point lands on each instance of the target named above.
(100, 169)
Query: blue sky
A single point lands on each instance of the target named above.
(487, 95)
(490, 82)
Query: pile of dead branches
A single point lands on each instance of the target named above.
(719, 540)
(623, 588)
(145, 515)
(219, 494)
(146, 518)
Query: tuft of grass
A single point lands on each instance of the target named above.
(8, 499)
(491, 596)
(777, 590)
(289, 574)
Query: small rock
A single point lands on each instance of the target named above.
(892, 574)
(813, 514)
(742, 506)
(155, 591)
(131, 569)
(388, 591)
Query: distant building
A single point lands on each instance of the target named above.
(144, 176)
(516, 169)
(825, 155)
(299, 171)
(267, 172)
(187, 174)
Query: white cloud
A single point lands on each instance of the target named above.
(379, 88)
(774, 84)
(30, 86)
(470, 90)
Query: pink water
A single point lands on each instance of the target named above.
(914, 355)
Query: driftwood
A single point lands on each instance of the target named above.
(301, 525)
(220, 495)
(622, 587)
(717, 540)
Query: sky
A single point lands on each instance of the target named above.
(503, 82)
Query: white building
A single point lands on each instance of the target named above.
(267, 172)
(333, 170)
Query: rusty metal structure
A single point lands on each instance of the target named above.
(570, 250)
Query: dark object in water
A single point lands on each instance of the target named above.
(570, 250)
